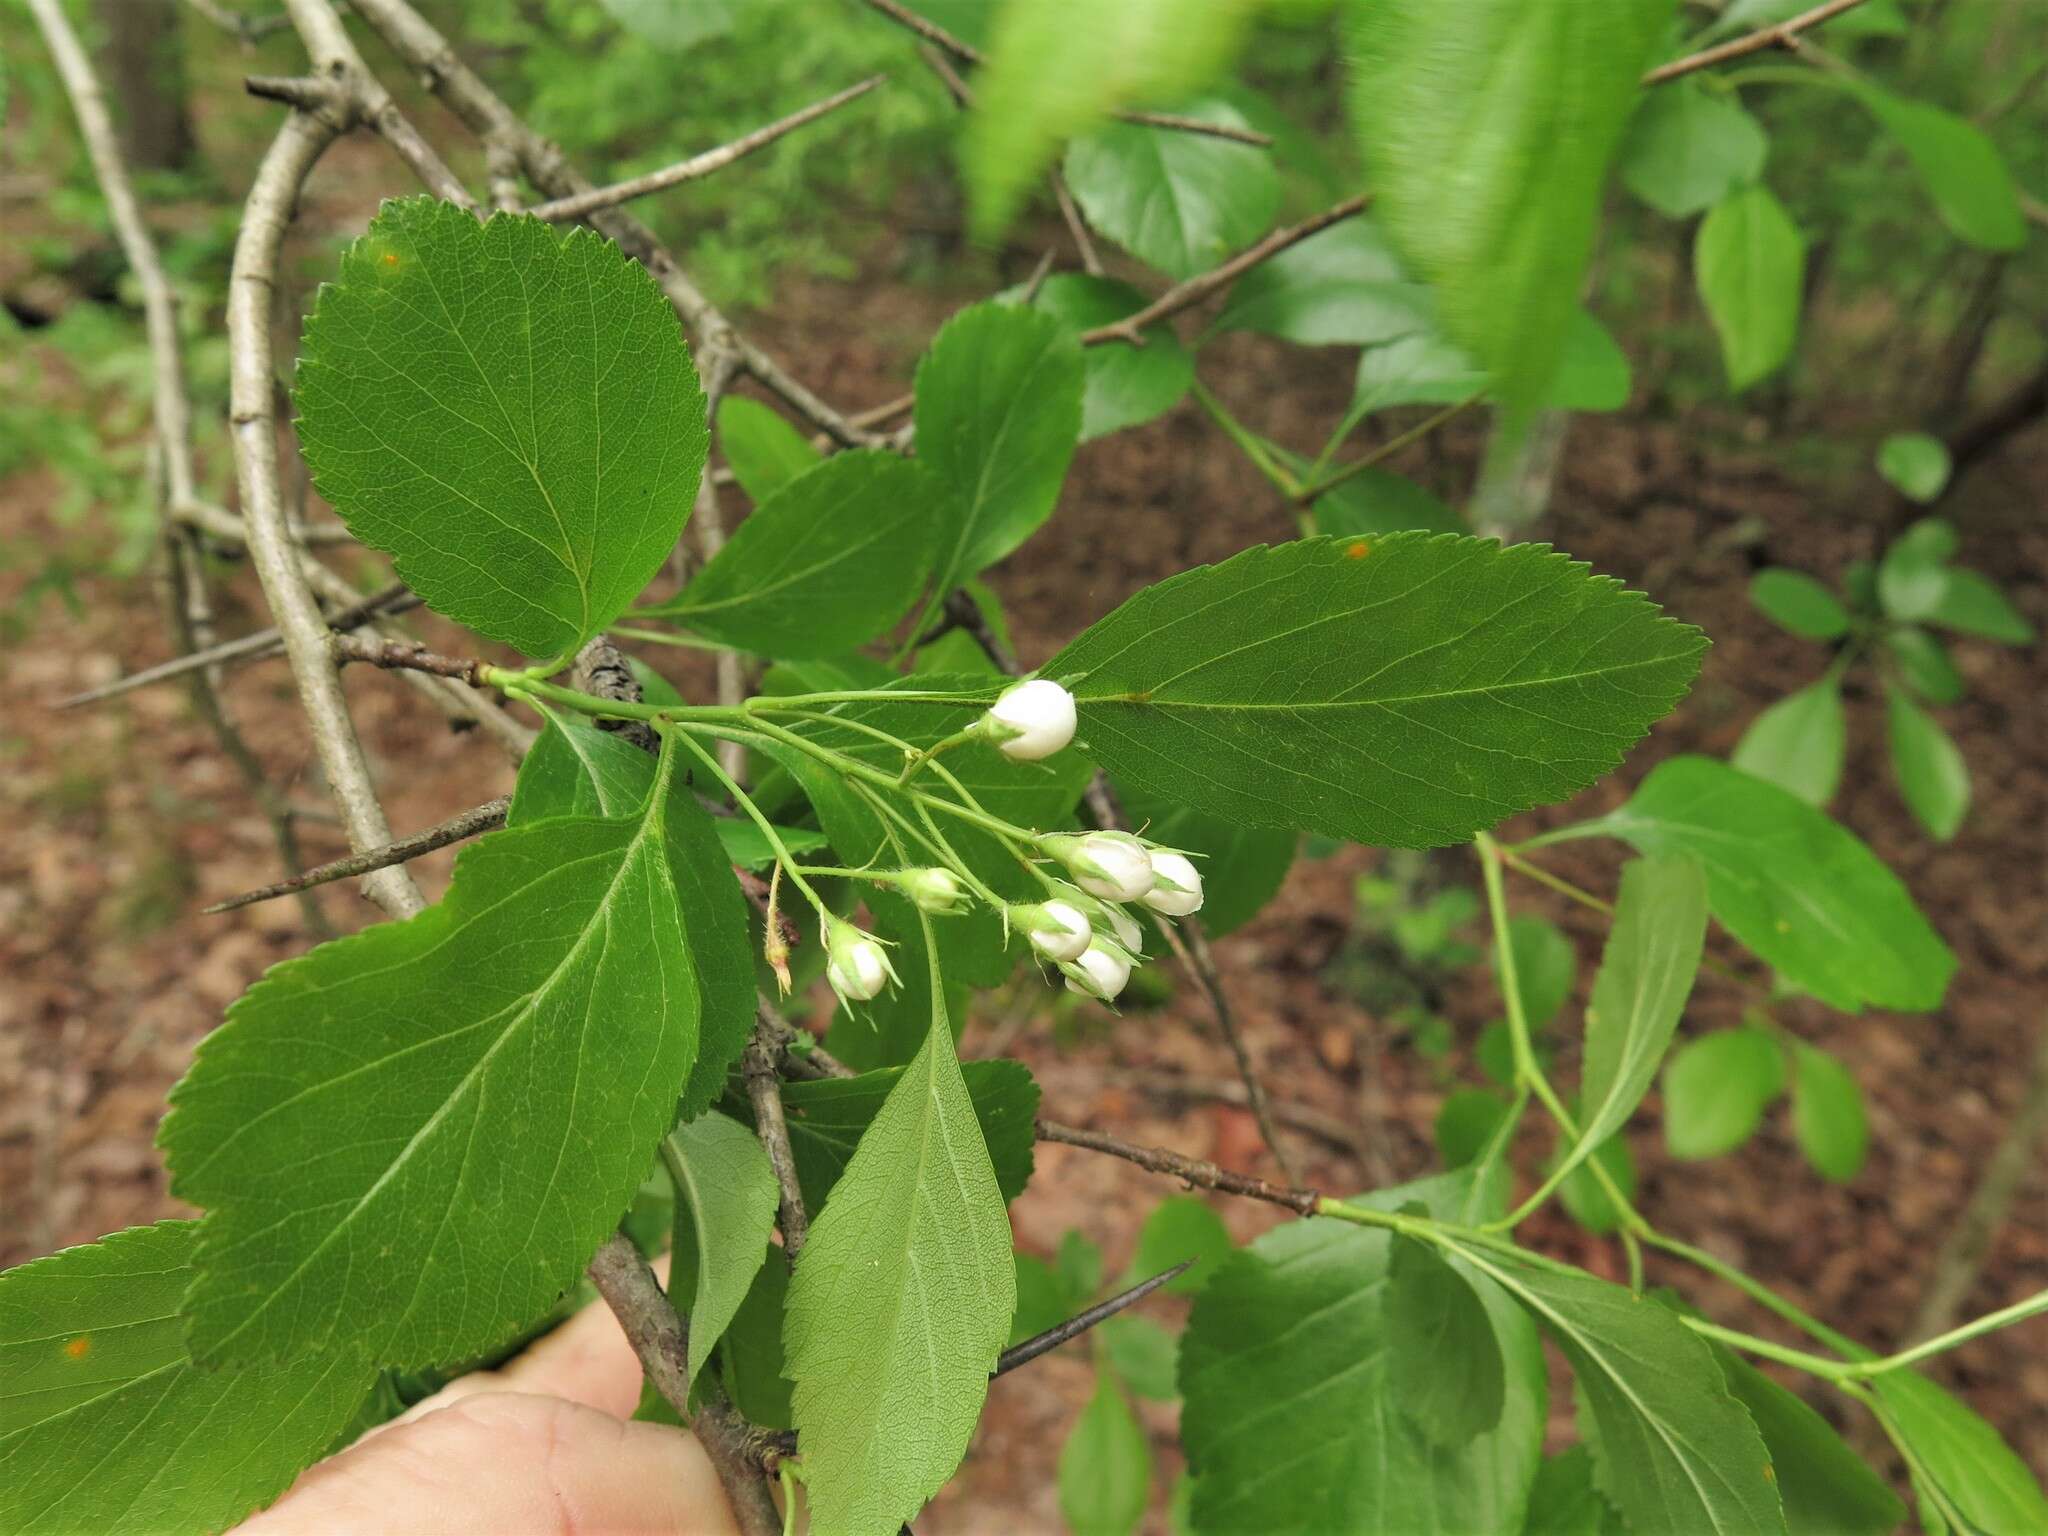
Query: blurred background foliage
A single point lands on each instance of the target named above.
(1904, 327)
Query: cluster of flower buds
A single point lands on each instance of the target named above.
(1086, 929)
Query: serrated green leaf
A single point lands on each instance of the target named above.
(1716, 1089)
(1180, 1227)
(828, 1117)
(106, 1425)
(1546, 967)
(1924, 663)
(1341, 287)
(1426, 368)
(1960, 167)
(1125, 386)
(1964, 1456)
(1444, 1362)
(900, 1303)
(1827, 1114)
(1827, 1489)
(1592, 370)
(1676, 1451)
(1795, 601)
(752, 1348)
(1688, 147)
(555, 995)
(1915, 464)
(1750, 260)
(1932, 774)
(1405, 691)
(1584, 1196)
(998, 415)
(1465, 1124)
(1646, 974)
(575, 769)
(1970, 605)
(726, 1198)
(1180, 202)
(1105, 1468)
(1144, 1354)
(1056, 67)
(1487, 128)
(763, 450)
(1379, 501)
(1798, 743)
(507, 411)
(1288, 1346)
(1565, 1502)
(825, 563)
(1798, 889)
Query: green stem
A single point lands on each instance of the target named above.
(1755, 1290)
(1749, 1343)
(1990, 1322)
(745, 802)
(1247, 441)
(1393, 445)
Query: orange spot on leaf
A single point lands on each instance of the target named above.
(1357, 549)
(391, 258)
(79, 1347)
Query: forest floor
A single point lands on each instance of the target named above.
(124, 820)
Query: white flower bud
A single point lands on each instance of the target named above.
(856, 963)
(1098, 973)
(1129, 932)
(1176, 885)
(1058, 930)
(1112, 865)
(937, 891)
(1031, 720)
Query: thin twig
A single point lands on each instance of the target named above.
(661, 1342)
(255, 646)
(1783, 35)
(576, 206)
(764, 1092)
(1194, 1172)
(1182, 296)
(967, 53)
(406, 656)
(1077, 227)
(1081, 1322)
(473, 822)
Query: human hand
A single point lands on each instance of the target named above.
(542, 1446)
